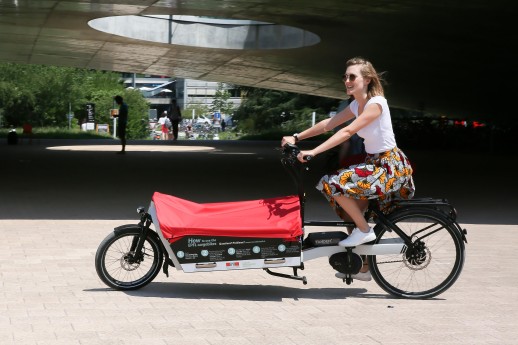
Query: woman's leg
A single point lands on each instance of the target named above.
(355, 209)
(345, 217)
(362, 233)
(362, 207)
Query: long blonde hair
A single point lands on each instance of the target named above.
(375, 87)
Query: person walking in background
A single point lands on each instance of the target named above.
(122, 122)
(162, 121)
(175, 115)
(386, 173)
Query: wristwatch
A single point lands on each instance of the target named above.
(296, 136)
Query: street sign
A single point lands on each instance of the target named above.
(90, 112)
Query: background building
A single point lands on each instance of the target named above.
(160, 90)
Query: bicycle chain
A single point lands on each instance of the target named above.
(389, 262)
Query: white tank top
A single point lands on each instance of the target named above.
(378, 135)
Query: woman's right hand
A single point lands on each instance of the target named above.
(305, 156)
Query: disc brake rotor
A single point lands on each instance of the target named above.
(128, 262)
(418, 259)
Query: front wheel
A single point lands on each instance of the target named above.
(430, 266)
(120, 267)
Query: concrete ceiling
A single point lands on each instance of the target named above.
(456, 58)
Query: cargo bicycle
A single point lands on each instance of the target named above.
(419, 250)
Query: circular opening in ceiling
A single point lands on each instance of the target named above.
(206, 32)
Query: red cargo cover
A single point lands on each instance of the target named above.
(263, 218)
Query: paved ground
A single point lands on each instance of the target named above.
(57, 205)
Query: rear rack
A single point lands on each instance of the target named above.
(442, 205)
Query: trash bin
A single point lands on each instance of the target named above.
(12, 137)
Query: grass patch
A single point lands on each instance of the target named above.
(229, 135)
(58, 133)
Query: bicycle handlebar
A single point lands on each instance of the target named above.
(291, 151)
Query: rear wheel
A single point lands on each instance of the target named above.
(430, 266)
(120, 267)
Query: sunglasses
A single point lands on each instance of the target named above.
(351, 77)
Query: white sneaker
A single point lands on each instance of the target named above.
(358, 237)
(340, 275)
(363, 276)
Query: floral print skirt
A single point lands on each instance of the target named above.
(385, 176)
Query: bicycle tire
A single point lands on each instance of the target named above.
(115, 268)
(425, 272)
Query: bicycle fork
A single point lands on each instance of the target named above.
(138, 242)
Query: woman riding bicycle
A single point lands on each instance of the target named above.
(386, 173)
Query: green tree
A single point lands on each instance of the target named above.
(56, 92)
(199, 109)
(222, 101)
(267, 110)
(43, 95)
(16, 103)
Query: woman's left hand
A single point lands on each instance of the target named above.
(287, 139)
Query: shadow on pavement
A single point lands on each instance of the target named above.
(244, 292)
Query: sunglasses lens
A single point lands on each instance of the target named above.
(351, 77)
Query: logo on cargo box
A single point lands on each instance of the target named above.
(232, 264)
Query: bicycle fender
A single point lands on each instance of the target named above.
(461, 233)
(126, 226)
(138, 228)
